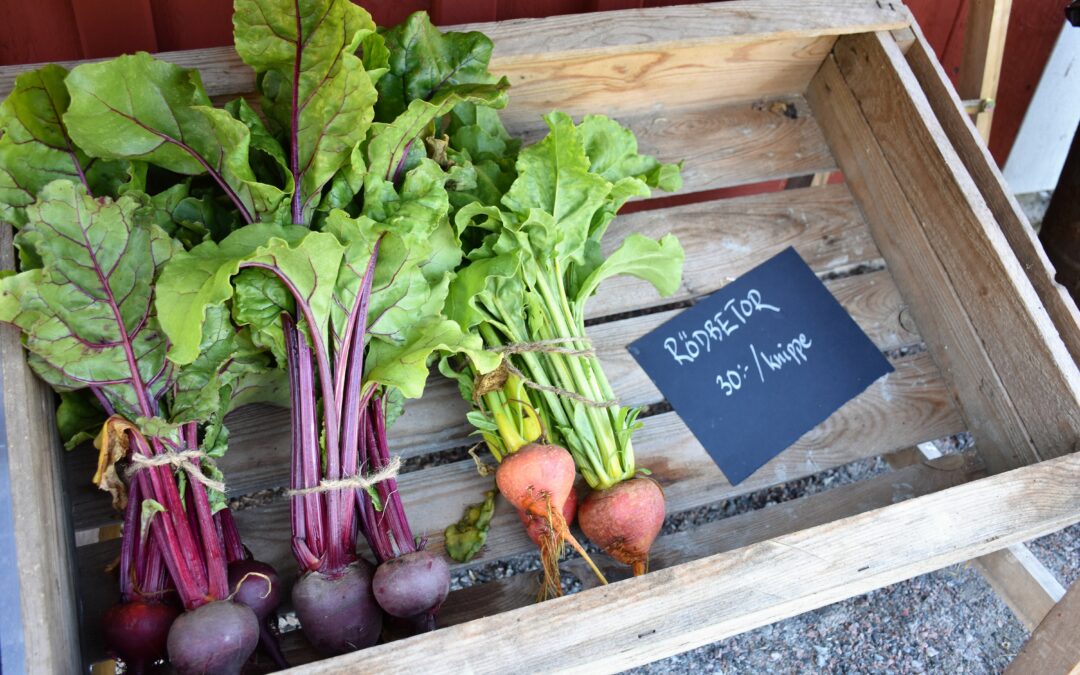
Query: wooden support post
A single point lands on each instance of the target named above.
(1016, 575)
(1053, 648)
(984, 47)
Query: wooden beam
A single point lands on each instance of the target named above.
(679, 608)
(999, 198)
(1022, 581)
(1053, 649)
(532, 41)
(1015, 574)
(984, 49)
(44, 547)
(926, 212)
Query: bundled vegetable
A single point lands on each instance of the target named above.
(91, 244)
(349, 295)
(534, 261)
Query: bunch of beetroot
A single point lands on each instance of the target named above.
(533, 260)
(343, 279)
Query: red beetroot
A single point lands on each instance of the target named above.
(538, 479)
(137, 631)
(216, 638)
(550, 545)
(624, 520)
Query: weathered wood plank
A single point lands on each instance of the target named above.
(679, 608)
(999, 198)
(44, 546)
(744, 20)
(984, 47)
(1041, 380)
(1053, 648)
(729, 534)
(1025, 584)
(926, 281)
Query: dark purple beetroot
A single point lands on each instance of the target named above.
(338, 614)
(137, 632)
(412, 584)
(216, 639)
(260, 590)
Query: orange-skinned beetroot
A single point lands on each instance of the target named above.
(537, 528)
(624, 520)
(536, 476)
(538, 480)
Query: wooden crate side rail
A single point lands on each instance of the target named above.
(1038, 373)
(679, 608)
(1053, 649)
(536, 39)
(999, 198)
(923, 217)
(44, 546)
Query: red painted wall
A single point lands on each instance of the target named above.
(53, 30)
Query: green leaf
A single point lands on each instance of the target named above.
(36, 149)
(225, 355)
(201, 278)
(92, 296)
(147, 510)
(555, 194)
(465, 538)
(404, 364)
(389, 147)
(423, 62)
(658, 262)
(78, 417)
(332, 96)
(168, 121)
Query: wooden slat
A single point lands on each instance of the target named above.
(1053, 648)
(731, 533)
(999, 198)
(1025, 584)
(949, 261)
(679, 608)
(626, 31)
(43, 543)
(669, 77)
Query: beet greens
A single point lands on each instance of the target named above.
(348, 295)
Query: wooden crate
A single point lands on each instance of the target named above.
(923, 244)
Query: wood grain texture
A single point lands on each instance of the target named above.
(999, 198)
(627, 31)
(1025, 584)
(679, 608)
(1041, 380)
(44, 546)
(728, 534)
(1053, 648)
(921, 274)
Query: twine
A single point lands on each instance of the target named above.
(552, 346)
(358, 482)
(177, 459)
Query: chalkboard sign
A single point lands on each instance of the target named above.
(754, 366)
